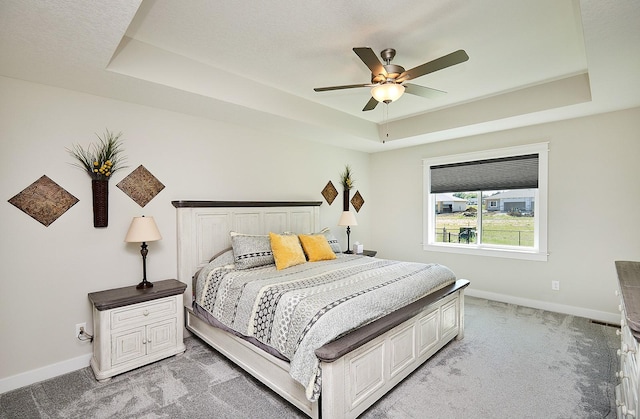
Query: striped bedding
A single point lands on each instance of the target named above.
(301, 308)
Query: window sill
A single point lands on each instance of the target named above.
(487, 251)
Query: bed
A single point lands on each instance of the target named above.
(354, 368)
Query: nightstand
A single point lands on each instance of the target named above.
(365, 252)
(135, 327)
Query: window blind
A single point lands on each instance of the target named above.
(515, 172)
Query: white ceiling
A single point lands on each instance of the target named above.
(256, 63)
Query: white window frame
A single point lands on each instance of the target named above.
(539, 250)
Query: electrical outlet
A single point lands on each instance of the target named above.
(78, 326)
(555, 285)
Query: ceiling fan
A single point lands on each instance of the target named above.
(388, 80)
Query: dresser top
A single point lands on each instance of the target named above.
(629, 279)
(119, 297)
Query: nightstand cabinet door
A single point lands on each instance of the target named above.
(127, 345)
(130, 344)
(161, 336)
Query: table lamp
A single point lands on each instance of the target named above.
(142, 230)
(348, 219)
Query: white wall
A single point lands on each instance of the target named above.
(46, 272)
(592, 162)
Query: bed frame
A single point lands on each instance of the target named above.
(357, 369)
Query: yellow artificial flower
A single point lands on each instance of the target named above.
(101, 159)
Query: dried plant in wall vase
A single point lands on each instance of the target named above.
(100, 161)
(347, 181)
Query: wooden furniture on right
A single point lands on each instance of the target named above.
(627, 391)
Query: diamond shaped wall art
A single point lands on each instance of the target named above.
(44, 200)
(141, 186)
(357, 201)
(329, 193)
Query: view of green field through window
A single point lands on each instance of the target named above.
(506, 218)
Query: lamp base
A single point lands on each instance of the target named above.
(348, 252)
(144, 285)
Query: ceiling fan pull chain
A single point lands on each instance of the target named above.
(385, 118)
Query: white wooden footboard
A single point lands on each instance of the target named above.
(355, 381)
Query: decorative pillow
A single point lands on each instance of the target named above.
(333, 242)
(204, 268)
(286, 250)
(224, 258)
(251, 251)
(219, 253)
(316, 247)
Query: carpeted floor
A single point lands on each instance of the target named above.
(514, 362)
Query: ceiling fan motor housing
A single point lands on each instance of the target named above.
(393, 71)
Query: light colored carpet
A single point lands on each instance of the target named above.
(514, 362)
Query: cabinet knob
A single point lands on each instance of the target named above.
(618, 332)
(626, 348)
(145, 313)
(620, 374)
(144, 342)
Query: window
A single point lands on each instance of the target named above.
(490, 203)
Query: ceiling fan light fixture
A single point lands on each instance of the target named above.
(387, 92)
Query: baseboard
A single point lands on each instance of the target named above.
(601, 316)
(40, 374)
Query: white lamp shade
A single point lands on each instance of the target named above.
(387, 92)
(347, 219)
(142, 229)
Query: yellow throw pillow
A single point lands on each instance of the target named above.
(286, 250)
(316, 247)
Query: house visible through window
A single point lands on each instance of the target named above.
(491, 203)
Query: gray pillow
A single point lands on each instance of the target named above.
(221, 259)
(250, 251)
(333, 242)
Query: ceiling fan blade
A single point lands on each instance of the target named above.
(346, 86)
(445, 61)
(371, 104)
(427, 92)
(371, 60)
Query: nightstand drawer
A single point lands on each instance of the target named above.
(128, 316)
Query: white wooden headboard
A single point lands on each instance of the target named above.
(203, 227)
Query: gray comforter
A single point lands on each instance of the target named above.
(299, 309)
